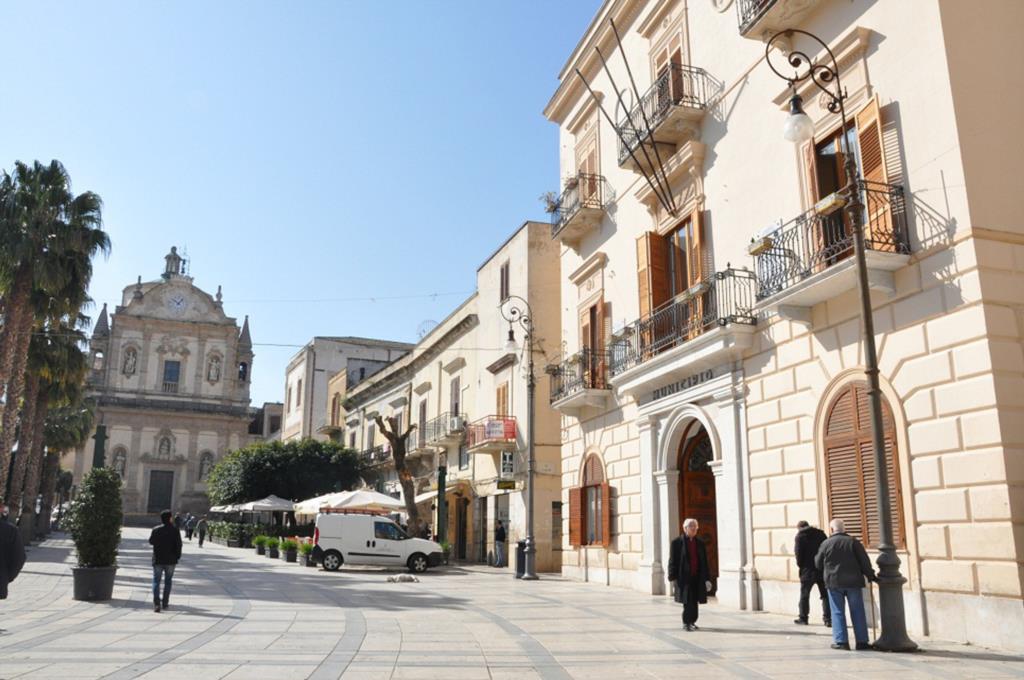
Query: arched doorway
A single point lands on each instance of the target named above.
(697, 491)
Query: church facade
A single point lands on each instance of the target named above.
(171, 376)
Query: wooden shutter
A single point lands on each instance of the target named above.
(606, 515)
(501, 400)
(454, 397)
(873, 169)
(652, 271)
(585, 328)
(643, 273)
(575, 516)
(807, 153)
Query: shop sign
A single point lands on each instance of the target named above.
(506, 484)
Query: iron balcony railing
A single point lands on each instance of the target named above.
(749, 11)
(587, 370)
(723, 298)
(170, 387)
(822, 237)
(584, 190)
(444, 427)
(680, 85)
(490, 430)
(376, 455)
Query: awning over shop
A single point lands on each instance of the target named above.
(425, 496)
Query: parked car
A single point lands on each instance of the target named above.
(341, 538)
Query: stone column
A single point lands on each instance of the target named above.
(650, 573)
(667, 485)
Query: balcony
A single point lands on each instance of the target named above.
(378, 455)
(445, 429)
(671, 108)
(490, 434)
(761, 19)
(580, 208)
(704, 327)
(580, 382)
(810, 259)
(170, 388)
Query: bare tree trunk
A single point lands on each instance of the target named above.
(27, 520)
(15, 351)
(25, 435)
(48, 487)
(398, 448)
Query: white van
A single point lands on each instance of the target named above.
(342, 538)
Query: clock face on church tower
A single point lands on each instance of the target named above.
(176, 304)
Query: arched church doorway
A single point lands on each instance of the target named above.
(697, 491)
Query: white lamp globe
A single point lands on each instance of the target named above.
(798, 127)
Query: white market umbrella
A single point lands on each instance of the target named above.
(311, 506)
(364, 499)
(222, 508)
(269, 504)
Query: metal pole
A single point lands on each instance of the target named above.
(99, 450)
(894, 636)
(530, 568)
(442, 505)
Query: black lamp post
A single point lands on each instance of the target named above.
(517, 310)
(799, 128)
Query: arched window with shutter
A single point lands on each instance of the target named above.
(590, 512)
(850, 466)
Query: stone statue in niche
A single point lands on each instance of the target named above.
(213, 370)
(205, 465)
(164, 448)
(131, 359)
(120, 462)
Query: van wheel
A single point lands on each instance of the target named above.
(332, 560)
(418, 563)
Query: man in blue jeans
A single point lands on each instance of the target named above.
(166, 542)
(844, 564)
(499, 545)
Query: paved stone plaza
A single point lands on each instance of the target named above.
(235, 615)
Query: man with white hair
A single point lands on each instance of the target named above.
(688, 569)
(844, 565)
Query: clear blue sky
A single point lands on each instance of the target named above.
(299, 150)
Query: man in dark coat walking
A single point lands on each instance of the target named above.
(166, 542)
(805, 547)
(12, 552)
(844, 565)
(688, 569)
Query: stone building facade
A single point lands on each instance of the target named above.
(171, 376)
(726, 379)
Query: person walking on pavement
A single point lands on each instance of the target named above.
(190, 526)
(688, 569)
(12, 552)
(178, 522)
(499, 545)
(805, 547)
(844, 565)
(201, 528)
(166, 542)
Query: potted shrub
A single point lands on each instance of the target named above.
(261, 544)
(290, 548)
(272, 545)
(306, 550)
(94, 522)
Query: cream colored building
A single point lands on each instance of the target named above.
(467, 396)
(308, 410)
(171, 385)
(723, 380)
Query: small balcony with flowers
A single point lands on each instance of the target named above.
(491, 434)
(707, 325)
(810, 259)
(580, 382)
(666, 117)
(580, 208)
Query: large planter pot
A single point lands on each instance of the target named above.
(308, 561)
(273, 554)
(94, 584)
(261, 550)
(291, 555)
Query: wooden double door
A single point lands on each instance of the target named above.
(697, 494)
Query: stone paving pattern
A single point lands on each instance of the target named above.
(236, 616)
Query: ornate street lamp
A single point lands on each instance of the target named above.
(516, 310)
(799, 128)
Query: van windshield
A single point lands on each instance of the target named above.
(389, 531)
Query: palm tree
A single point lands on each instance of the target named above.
(49, 237)
(59, 366)
(67, 428)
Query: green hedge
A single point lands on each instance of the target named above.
(243, 533)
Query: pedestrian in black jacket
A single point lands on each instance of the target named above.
(166, 542)
(12, 553)
(688, 569)
(844, 565)
(805, 547)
